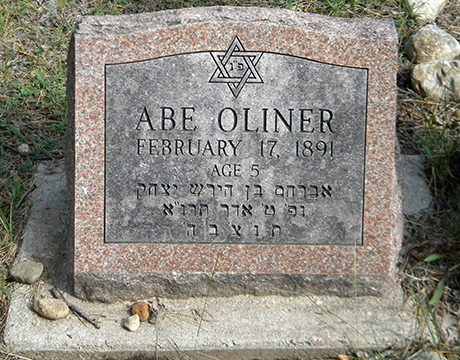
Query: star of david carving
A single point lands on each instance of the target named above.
(236, 67)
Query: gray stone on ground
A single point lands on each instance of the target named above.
(417, 196)
(23, 149)
(26, 272)
(449, 328)
(430, 43)
(438, 80)
(426, 10)
(132, 323)
(52, 309)
(51, 13)
(427, 355)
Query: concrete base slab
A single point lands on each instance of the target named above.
(242, 327)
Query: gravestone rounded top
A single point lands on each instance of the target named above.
(377, 30)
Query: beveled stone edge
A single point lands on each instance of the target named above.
(110, 287)
(379, 30)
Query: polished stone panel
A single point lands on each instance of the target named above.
(282, 162)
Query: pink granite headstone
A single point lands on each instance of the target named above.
(251, 148)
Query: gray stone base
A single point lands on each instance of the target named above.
(241, 327)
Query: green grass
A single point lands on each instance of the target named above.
(32, 114)
(440, 141)
(433, 271)
(33, 110)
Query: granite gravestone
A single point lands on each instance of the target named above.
(254, 146)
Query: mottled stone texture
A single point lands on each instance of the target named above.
(113, 271)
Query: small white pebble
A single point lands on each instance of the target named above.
(23, 149)
(132, 323)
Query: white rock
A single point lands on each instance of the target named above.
(26, 272)
(52, 309)
(23, 149)
(132, 323)
(430, 43)
(426, 10)
(438, 80)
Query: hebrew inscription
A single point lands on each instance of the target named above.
(235, 146)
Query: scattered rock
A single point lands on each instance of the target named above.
(51, 14)
(449, 329)
(362, 354)
(23, 149)
(439, 80)
(430, 43)
(158, 316)
(52, 309)
(26, 272)
(141, 308)
(427, 355)
(417, 196)
(132, 323)
(426, 10)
